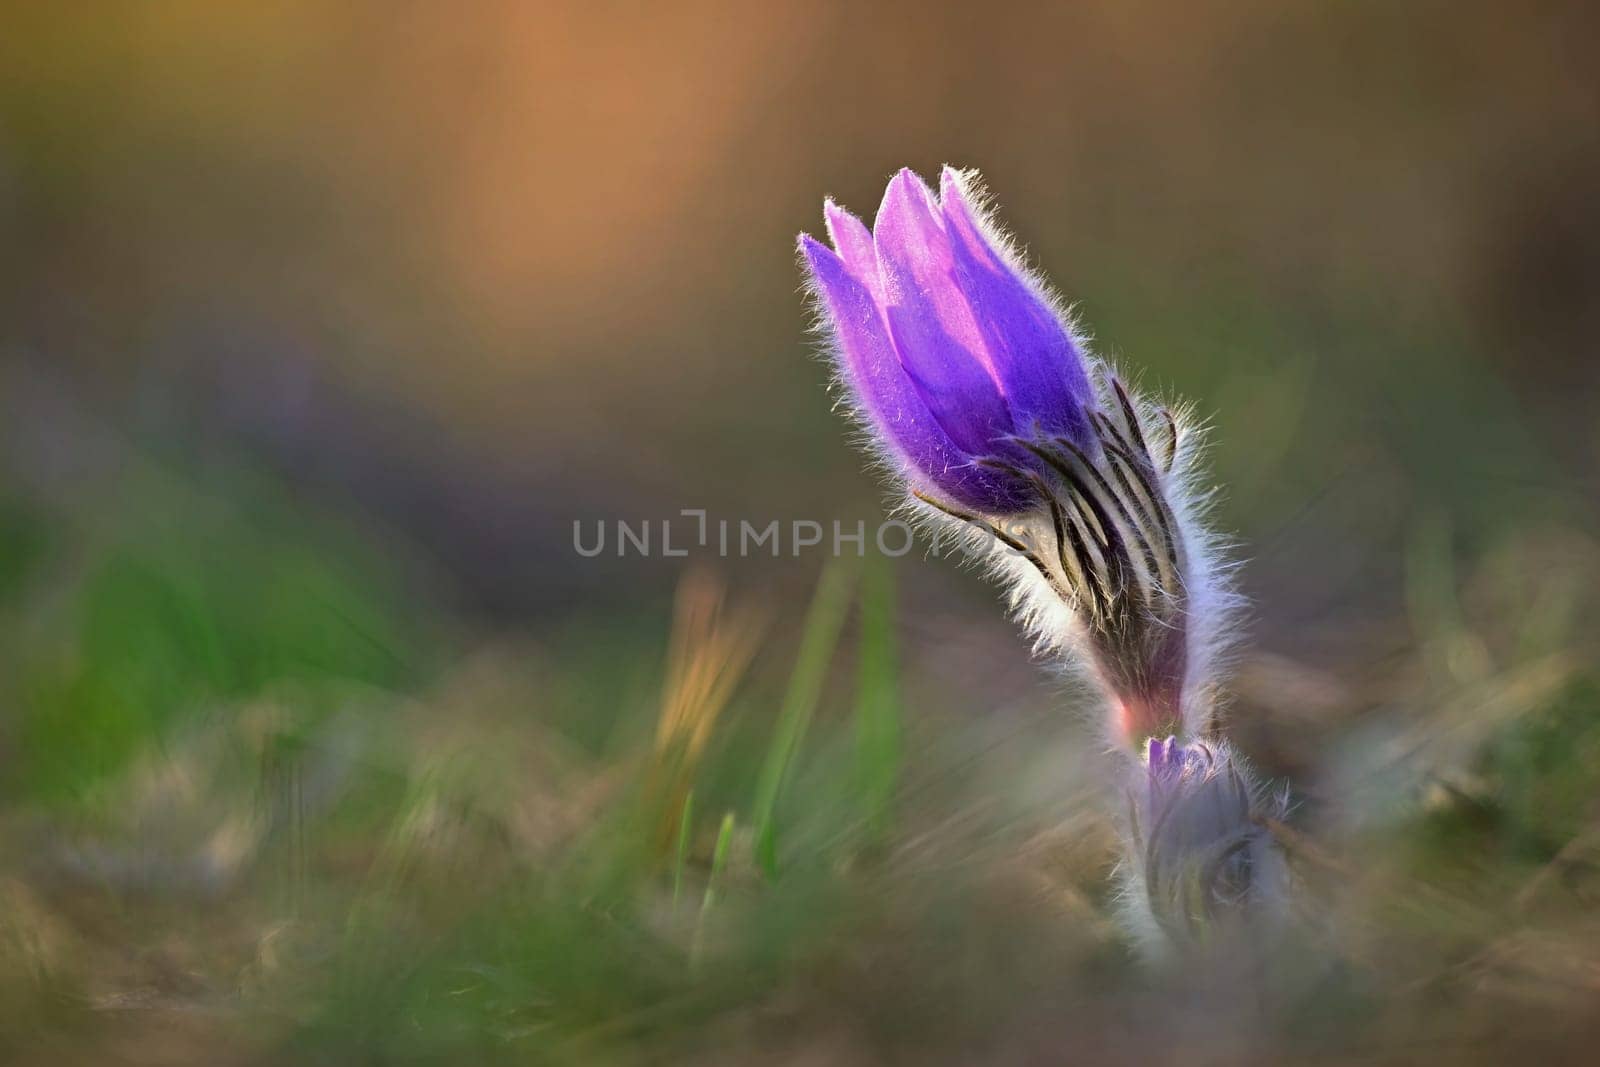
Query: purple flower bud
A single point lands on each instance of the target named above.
(1201, 854)
(948, 348)
(966, 374)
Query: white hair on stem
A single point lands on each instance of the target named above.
(1050, 608)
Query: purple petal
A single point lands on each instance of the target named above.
(1163, 755)
(853, 242)
(934, 333)
(1031, 352)
(890, 400)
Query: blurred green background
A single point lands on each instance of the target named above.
(320, 325)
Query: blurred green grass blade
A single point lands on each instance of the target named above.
(681, 856)
(719, 861)
(823, 622)
(877, 721)
(183, 604)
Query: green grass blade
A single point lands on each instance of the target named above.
(681, 857)
(878, 708)
(823, 622)
(719, 861)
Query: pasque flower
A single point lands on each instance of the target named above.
(989, 410)
(990, 413)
